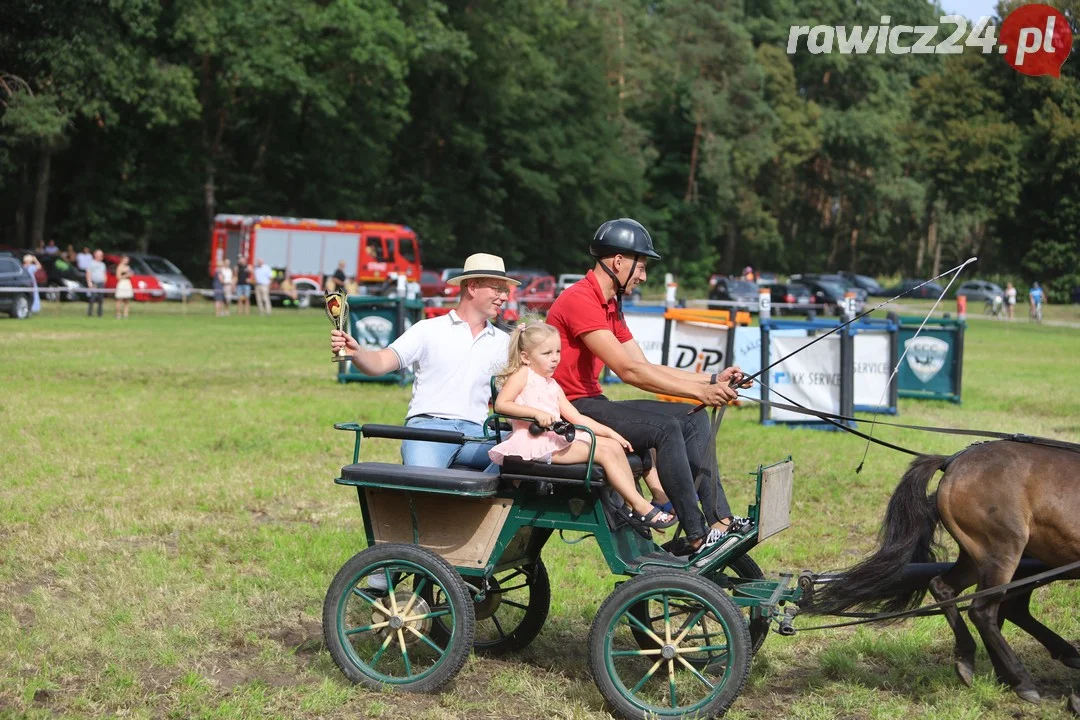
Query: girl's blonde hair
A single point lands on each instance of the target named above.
(526, 335)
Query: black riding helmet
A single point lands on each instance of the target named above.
(622, 237)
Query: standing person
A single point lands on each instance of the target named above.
(1010, 300)
(95, 284)
(263, 276)
(69, 254)
(243, 286)
(51, 248)
(588, 316)
(31, 266)
(453, 357)
(339, 276)
(528, 390)
(124, 291)
(1035, 300)
(83, 259)
(226, 283)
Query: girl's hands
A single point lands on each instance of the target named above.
(621, 440)
(544, 419)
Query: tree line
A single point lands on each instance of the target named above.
(518, 126)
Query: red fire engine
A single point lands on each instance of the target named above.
(308, 251)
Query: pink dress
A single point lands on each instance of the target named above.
(543, 394)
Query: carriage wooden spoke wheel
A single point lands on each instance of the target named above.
(379, 620)
(699, 656)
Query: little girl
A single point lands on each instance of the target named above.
(529, 390)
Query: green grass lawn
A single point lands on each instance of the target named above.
(169, 527)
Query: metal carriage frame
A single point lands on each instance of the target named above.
(449, 550)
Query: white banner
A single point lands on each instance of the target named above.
(811, 378)
(698, 347)
(748, 352)
(872, 370)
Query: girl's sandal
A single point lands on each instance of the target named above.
(651, 521)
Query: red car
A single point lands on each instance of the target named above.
(536, 293)
(146, 287)
(431, 284)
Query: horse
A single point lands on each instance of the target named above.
(1001, 501)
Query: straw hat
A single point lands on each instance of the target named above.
(482, 265)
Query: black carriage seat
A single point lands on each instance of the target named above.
(514, 468)
(392, 476)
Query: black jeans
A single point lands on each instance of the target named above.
(685, 454)
(95, 296)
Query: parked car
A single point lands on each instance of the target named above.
(830, 294)
(19, 254)
(171, 279)
(64, 281)
(536, 292)
(844, 282)
(864, 282)
(767, 278)
(12, 275)
(791, 294)
(979, 291)
(450, 290)
(431, 284)
(566, 280)
(729, 289)
(929, 290)
(146, 286)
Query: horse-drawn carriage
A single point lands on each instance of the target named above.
(454, 564)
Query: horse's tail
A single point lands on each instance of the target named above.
(907, 536)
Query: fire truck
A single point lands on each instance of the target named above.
(308, 251)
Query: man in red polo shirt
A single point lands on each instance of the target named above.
(588, 316)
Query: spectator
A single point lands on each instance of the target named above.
(1036, 298)
(69, 254)
(83, 259)
(31, 266)
(288, 289)
(51, 248)
(124, 291)
(243, 286)
(227, 282)
(339, 276)
(263, 276)
(221, 309)
(95, 283)
(1010, 300)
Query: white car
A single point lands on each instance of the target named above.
(566, 280)
(171, 278)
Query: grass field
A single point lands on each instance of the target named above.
(169, 526)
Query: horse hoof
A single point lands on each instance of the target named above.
(1074, 704)
(965, 671)
(1032, 696)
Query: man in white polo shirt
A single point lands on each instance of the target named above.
(453, 358)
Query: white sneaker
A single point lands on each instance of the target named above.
(716, 542)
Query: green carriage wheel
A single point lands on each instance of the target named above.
(512, 612)
(660, 681)
(757, 622)
(378, 624)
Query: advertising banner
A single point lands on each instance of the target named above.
(748, 352)
(872, 370)
(811, 377)
(698, 347)
(934, 361)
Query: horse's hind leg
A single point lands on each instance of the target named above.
(984, 613)
(946, 587)
(1017, 610)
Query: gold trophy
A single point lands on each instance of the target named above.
(337, 309)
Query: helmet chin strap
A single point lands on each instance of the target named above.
(620, 287)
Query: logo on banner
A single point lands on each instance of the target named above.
(926, 356)
(702, 360)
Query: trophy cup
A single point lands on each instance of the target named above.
(337, 309)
